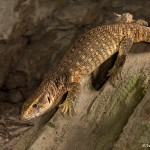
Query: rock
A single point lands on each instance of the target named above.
(132, 6)
(118, 3)
(8, 18)
(9, 54)
(14, 96)
(136, 133)
(35, 17)
(3, 96)
(15, 80)
(78, 13)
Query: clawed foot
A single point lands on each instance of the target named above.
(67, 108)
(115, 74)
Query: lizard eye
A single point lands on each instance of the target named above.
(34, 106)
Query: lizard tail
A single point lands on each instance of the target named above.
(146, 34)
(142, 34)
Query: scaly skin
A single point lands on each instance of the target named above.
(89, 51)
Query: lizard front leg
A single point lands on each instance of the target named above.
(73, 91)
(124, 47)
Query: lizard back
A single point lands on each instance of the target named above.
(93, 48)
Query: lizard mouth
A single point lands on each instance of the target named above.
(26, 116)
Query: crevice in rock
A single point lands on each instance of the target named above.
(100, 76)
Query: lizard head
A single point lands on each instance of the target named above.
(45, 98)
(38, 104)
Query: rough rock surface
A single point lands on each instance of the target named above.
(34, 35)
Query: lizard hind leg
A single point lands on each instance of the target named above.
(116, 70)
(124, 18)
(67, 106)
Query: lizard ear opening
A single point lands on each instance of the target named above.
(48, 98)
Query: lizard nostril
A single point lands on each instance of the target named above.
(34, 105)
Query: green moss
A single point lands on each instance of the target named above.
(126, 97)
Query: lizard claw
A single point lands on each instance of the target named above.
(115, 74)
(67, 108)
(112, 70)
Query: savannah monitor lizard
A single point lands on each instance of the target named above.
(88, 52)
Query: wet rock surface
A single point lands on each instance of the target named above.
(34, 35)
